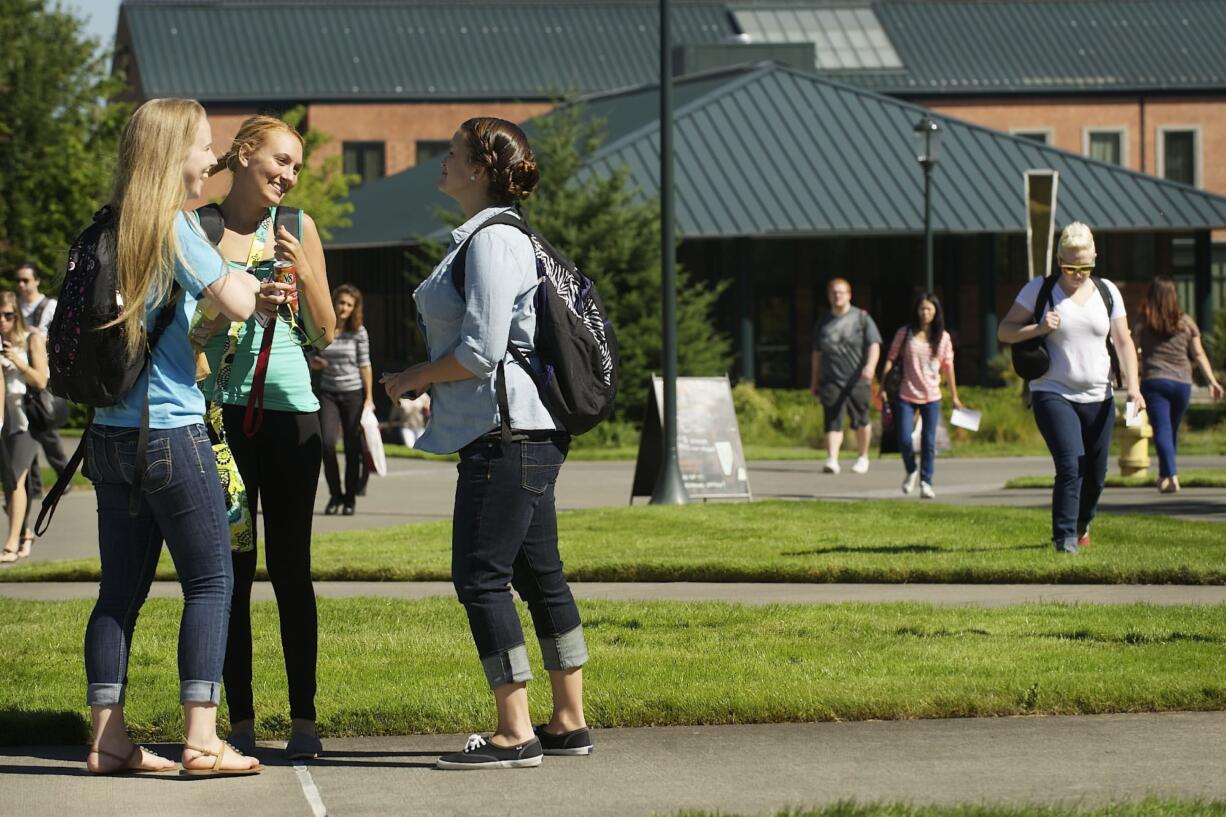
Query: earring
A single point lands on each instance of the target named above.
(472, 178)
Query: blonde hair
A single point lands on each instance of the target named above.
(148, 197)
(251, 134)
(17, 330)
(1076, 237)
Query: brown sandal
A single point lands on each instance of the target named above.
(217, 771)
(132, 764)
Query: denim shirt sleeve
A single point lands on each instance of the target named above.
(499, 260)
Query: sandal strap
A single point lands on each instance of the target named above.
(131, 761)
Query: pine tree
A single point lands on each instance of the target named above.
(59, 132)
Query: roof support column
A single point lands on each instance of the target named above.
(987, 307)
(1203, 280)
(743, 253)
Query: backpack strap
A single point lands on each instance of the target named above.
(36, 317)
(1044, 299)
(461, 257)
(165, 317)
(1104, 292)
(210, 219)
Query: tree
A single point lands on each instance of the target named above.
(59, 131)
(612, 232)
(322, 187)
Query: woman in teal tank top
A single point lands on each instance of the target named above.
(270, 413)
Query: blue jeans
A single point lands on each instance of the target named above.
(930, 416)
(1079, 438)
(1165, 402)
(505, 532)
(183, 505)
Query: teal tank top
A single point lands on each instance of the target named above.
(288, 384)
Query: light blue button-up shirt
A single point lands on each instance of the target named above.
(500, 280)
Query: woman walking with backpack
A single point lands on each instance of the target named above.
(270, 413)
(505, 521)
(162, 263)
(1073, 402)
(921, 350)
(24, 360)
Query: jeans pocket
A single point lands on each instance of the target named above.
(540, 462)
(159, 470)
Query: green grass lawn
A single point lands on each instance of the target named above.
(777, 541)
(1193, 478)
(1142, 808)
(392, 667)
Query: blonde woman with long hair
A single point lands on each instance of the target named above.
(163, 262)
(24, 360)
(270, 412)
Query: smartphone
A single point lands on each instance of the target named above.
(408, 395)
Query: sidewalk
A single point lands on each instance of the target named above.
(961, 595)
(739, 770)
(423, 491)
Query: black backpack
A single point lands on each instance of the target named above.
(574, 338)
(1030, 357)
(88, 363)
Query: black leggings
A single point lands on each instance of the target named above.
(280, 466)
(342, 411)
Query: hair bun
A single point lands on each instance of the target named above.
(500, 148)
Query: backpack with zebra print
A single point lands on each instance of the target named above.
(574, 338)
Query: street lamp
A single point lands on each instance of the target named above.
(927, 143)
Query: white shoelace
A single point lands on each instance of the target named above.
(475, 742)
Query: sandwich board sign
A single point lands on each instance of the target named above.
(709, 450)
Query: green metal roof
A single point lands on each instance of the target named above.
(767, 151)
(316, 50)
(977, 46)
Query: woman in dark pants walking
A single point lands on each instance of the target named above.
(1073, 403)
(1169, 341)
(345, 384)
(272, 426)
(505, 521)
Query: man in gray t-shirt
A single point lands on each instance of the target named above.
(846, 347)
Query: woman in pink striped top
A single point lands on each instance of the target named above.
(923, 349)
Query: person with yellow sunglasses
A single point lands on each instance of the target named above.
(1083, 325)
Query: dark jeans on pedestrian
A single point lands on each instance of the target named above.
(183, 505)
(342, 412)
(505, 532)
(280, 468)
(930, 416)
(1165, 402)
(1079, 438)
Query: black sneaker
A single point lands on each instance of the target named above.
(479, 753)
(578, 742)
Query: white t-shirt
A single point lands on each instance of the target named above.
(1080, 365)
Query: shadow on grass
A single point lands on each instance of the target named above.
(900, 549)
(23, 726)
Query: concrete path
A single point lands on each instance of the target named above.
(422, 491)
(745, 770)
(961, 595)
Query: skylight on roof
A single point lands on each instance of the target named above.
(845, 39)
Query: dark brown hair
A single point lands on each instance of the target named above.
(1161, 313)
(354, 322)
(500, 147)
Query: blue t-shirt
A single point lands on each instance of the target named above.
(174, 399)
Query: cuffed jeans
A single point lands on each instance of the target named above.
(930, 416)
(182, 504)
(1165, 402)
(1079, 438)
(505, 532)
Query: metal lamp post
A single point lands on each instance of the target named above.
(669, 487)
(927, 141)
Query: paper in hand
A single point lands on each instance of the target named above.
(966, 418)
(1132, 417)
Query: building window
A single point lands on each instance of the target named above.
(1179, 148)
(1105, 145)
(1043, 137)
(364, 159)
(429, 150)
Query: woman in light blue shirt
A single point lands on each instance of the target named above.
(504, 528)
(164, 156)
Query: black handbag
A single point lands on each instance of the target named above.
(44, 410)
(1030, 358)
(891, 384)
